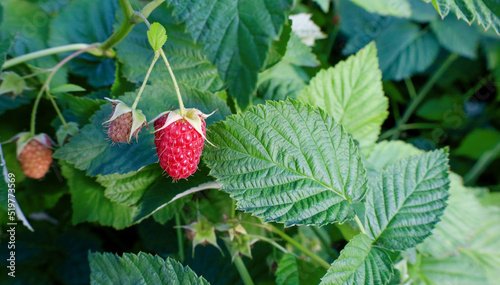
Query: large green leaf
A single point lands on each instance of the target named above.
(236, 36)
(407, 200)
(352, 93)
(90, 150)
(360, 263)
(142, 268)
(287, 162)
(397, 8)
(469, 11)
(455, 269)
(188, 61)
(456, 36)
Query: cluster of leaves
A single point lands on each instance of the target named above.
(298, 136)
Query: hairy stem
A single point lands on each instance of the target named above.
(45, 86)
(423, 92)
(242, 269)
(138, 97)
(486, 158)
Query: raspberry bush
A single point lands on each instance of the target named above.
(249, 142)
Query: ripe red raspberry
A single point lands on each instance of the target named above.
(35, 159)
(179, 146)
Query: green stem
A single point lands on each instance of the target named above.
(360, 225)
(411, 88)
(177, 91)
(124, 29)
(170, 71)
(42, 53)
(242, 269)
(423, 92)
(59, 114)
(146, 10)
(130, 20)
(47, 83)
(138, 97)
(486, 158)
(180, 241)
(300, 247)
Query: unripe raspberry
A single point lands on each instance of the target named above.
(124, 122)
(34, 153)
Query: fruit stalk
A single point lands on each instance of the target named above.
(138, 97)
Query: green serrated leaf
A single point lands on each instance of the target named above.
(91, 151)
(66, 88)
(127, 189)
(360, 263)
(469, 11)
(157, 36)
(11, 82)
(142, 268)
(407, 200)
(287, 162)
(352, 93)
(397, 8)
(235, 35)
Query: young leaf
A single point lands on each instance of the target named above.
(157, 36)
(287, 162)
(235, 35)
(352, 93)
(142, 268)
(11, 82)
(407, 200)
(469, 12)
(360, 263)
